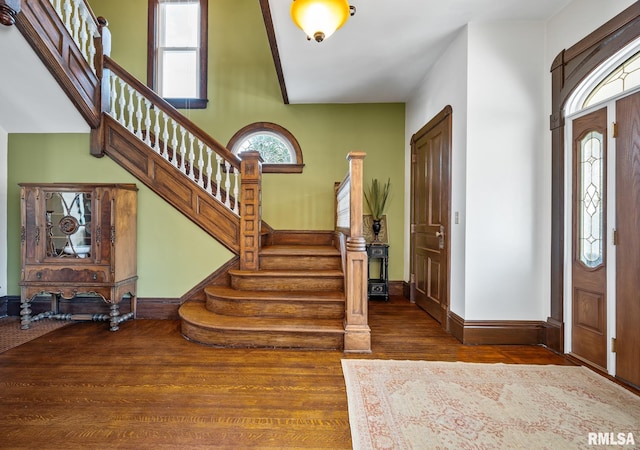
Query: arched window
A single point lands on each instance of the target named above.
(619, 74)
(277, 146)
(622, 79)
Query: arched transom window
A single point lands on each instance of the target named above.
(277, 146)
(622, 79)
(620, 74)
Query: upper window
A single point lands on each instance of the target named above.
(177, 51)
(279, 149)
(618, 75)
(622, 79)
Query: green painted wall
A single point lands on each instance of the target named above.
(243, 88)
(173, 254)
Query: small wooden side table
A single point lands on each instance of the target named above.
(379, 286)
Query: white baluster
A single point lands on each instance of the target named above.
(114, 96)
(75, 22)
(139, 115)
(67, 14)
(156, 132)
(192, 155)
(165, 136)
(236, 192)
(58, 7)
(174, 143)
(200, 177)
(147, 121)
(209, 170)
(84, 15)
(130, 108)
(93, 33)
(122, 118)
(123, 102)
(218, 177)
(227, 184)
(183, 149)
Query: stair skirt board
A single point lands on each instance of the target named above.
(204, 327)
(303, 304)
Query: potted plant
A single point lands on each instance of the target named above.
(376, 196)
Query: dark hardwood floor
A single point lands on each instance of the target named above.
(145, 387)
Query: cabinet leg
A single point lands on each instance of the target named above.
(115, 313)
(25, 314)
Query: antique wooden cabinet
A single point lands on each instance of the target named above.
(78, 240)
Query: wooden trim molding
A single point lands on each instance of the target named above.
(4, 302)
(8, 11)
(271, 35)
(568, 70)
(496, 332)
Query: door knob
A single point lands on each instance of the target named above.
(439, 234)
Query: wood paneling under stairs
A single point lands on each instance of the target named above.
(145, 387)
(296, 301)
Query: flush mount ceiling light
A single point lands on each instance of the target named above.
(320, 18)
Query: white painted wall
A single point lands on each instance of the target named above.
(501, 164)
(4, 174)
(445, 85)
(506, 250)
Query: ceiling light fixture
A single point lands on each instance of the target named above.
(320, 18)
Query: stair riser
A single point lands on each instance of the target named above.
(268, 262)
(262, 339)
(301, 238)
(286, 284)
(285, 309)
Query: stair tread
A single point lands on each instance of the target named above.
(315, 273)
(197, 314)
(300, 250)
(310, 296)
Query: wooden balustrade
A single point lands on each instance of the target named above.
(349, 196)
(169, 134)
(153, 141)
(82, 25)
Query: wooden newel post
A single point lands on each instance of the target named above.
(8, 11)
(250, 210)
(357, 338)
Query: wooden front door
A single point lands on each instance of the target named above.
(589, 261)
(430, 211)
(628, 239)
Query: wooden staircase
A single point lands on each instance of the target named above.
(295, 300)
(292, 289)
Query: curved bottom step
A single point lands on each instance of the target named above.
(204, 327)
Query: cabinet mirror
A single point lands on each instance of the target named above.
(68, 224)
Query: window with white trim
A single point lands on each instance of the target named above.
(278, 148)
(177, 54)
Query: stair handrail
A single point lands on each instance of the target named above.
(170, 134)
(349, 222)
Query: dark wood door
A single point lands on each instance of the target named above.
(430, 211)
(589, 262)
(628, 239)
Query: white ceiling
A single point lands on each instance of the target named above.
(383, 52)
(380, 55)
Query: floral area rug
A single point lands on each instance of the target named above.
(11, 335)
(456, 405)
